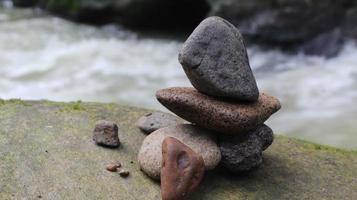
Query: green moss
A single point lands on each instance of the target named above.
(72, 106)
(53, 149)
(14, 102)
(320, 147)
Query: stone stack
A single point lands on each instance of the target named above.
(225, 107)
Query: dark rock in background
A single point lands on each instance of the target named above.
(349, 25)
(326, 44)
(281, 21)
(294, 25)
(142, 14)
(24, 3)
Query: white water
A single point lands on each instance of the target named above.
(43, 57)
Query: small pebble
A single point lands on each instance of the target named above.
(113, 167)
(106, 134)
(124, 173)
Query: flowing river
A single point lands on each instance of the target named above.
(44, 57)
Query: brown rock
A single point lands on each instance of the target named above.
(124, 173)
(113, 166)
(106, 134)
(226, 117)
(182, 170)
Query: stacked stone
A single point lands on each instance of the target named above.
(225, 108)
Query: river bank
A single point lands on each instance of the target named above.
(50, 144)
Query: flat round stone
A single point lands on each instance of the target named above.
(226, 117)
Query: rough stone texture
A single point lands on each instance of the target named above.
(24, 3)
(266, 135)
(153, 121)
(215, 60)
(243, 153)
(47, 143)
(222, 116)
(201, 141)
(182, 170)
(106, 134)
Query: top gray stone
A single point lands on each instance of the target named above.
(215, 60)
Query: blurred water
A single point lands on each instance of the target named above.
(43, 57)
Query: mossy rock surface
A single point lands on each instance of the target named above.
(46, 151)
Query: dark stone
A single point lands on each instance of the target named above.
(241, 153)
(106, 134)
(244, 152)
(327, 44)
(24, 3)
(221, 116)
(277, 21)
(182, 170)
(156, 120)
(143, 14)
(349, 26)
(266, 135)
(124, 173)
(215, 60)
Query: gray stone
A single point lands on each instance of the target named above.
(106, 134)
(266, 135)
(215, 60)
(243, 153)
(199, 140)
(156, 120)
(40, 145)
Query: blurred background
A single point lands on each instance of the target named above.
(302, 51)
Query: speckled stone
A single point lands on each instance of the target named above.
(156, 120)
(244, 152)
(266, 134)
(225, 117)
(199, 140)
(182, 170)
(215, 60)
(106, 134)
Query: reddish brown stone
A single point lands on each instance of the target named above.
(106, 134)
(182, 170)
(226, 117)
